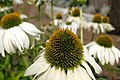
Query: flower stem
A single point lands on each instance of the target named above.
(25, 60)
(81, 28)
(52, 14)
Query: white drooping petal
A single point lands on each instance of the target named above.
(14, 40)
(99, 51)
(22, 38)
(70, 75)
(91, 60)
(83, 73)
(43, 68)
(45, 75)
(51, 74)
(8, 43)
(1, 42)
(107, 56)
(77, 76)
(93, 50)
(30, 29)
(112, 57)
(116, 51)
(115, 54)
(103, 56)
(34, 68)
(89, 71)
(63, 75)
(57, 74)
(101, 28)
(90, 44)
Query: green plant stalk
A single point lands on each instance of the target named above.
(39, 15)
(25, 60)
(81, 28)
(52, 14)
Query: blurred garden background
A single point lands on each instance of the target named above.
(13, 66)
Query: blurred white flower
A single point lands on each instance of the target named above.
(13, 33)
(2, 9)
(63, 59)
(18, 2)
(59, 20)
(105, 23)
(71, 26)
(99, 26)
(104, 50)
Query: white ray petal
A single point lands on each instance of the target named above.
(116, 51)
(115, 54)
(43, 68)
(45, 75)
(34, 68)
(1, 42)
(112, 57)
(90, 44)
(91, 60)
(93, 50)
(51, 74)
(83, 73)
(101, 28)
(63, 75)
(57, 74)
(107, 56)
(7, 42)
(30, 29)
(22, 38)
(103, 55)
(70, 75)
(14, 40)
(89, 71)
(76, 75)
(99, 51)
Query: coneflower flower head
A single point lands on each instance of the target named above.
(10, 20)
(64, 50)
(76, 12)
(97, 18)
(105, 19)
(59, 16)
(105, 41)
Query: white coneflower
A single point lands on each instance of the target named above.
(105, 23)
(59, 20)
(71, 26)
(18, 2)
(3, 9)
(96, 24)
(104, 50)
(75, 17)
(63, 59)
(13, 33)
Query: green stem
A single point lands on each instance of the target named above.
(81, 28)
(52, 14)
(25, 60)
(39, 14)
